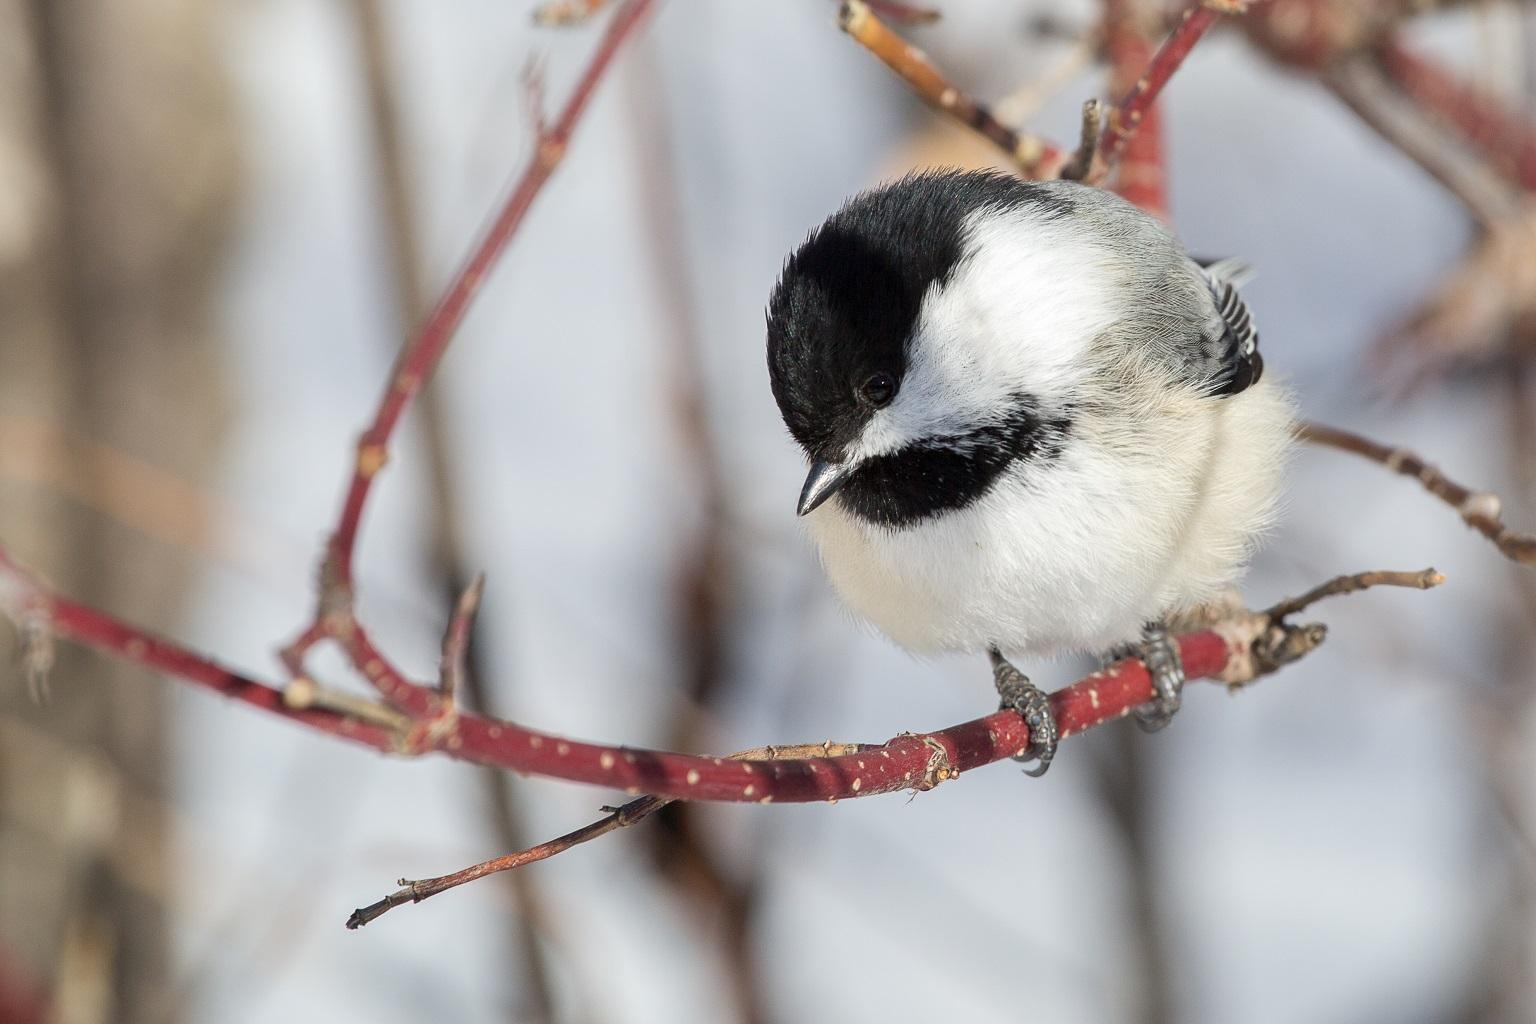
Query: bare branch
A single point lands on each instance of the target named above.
(1478, 509)
(456, 639)
(414, 891)
(1421, 580)
(1034, 156)
(1127, 115)
(419, 357)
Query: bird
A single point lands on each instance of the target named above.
(1035, 424)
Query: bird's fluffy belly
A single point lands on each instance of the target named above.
(1077, 554)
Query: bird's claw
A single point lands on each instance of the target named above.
(1159, 653)
(1019, 695)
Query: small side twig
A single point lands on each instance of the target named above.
(1478, 509)
(1033, 155)
(1077, 168)
(1424, 579)
(635, 811)
(456, 640)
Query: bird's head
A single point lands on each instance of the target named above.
(931, 334)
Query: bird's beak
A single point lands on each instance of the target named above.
(821, 483)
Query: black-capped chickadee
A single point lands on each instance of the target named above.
(1035, 424)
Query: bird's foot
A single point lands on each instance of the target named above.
(1161, 656)
(1019, 695)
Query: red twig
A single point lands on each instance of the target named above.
(419, 357)
(1505, 139)
(25, 600)
(430, 724)
(1130, 54)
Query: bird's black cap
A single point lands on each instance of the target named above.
(846, 303)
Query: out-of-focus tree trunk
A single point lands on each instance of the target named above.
(116, 178)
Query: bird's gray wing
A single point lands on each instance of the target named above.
(1231, 341)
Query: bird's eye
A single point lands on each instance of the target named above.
(878, 390)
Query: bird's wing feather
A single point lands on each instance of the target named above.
(1231, 338)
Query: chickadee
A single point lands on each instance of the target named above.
(1035, 424)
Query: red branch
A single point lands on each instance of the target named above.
(1141, 173)
(1507, 140)
(25, 600)
(420, 356)
(909, 761)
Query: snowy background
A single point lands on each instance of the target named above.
(1322, 847)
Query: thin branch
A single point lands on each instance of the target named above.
(1034, 156)
(1478, 509)
(419, 356)
(1421, 580)
(1256, 644)
(1127, 116)
(456, 640)
(461, 676)
(414, 891)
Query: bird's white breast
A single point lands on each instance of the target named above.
(1152, 508)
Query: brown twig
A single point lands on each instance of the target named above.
(414, 891)
(1424, 579)
(1077, 168)
(1478, 509)
(1034, 157)
(456, 640)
